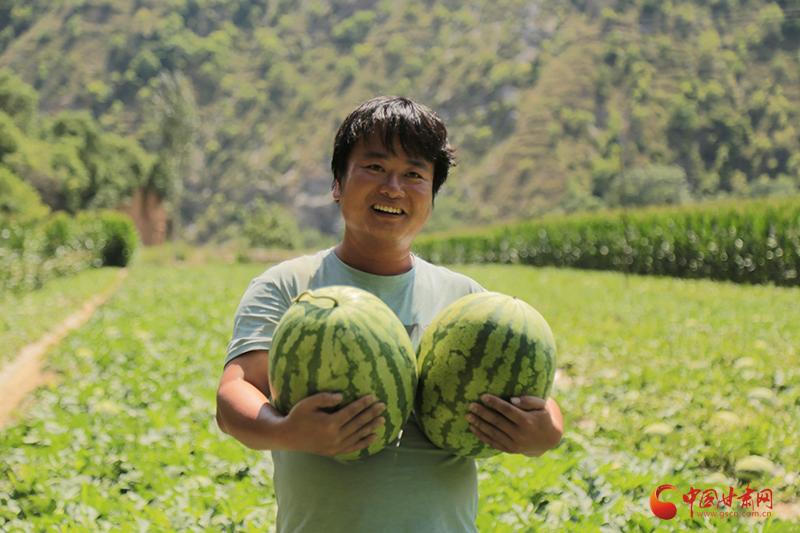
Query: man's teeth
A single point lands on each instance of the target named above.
(385, 209)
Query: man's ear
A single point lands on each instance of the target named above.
(336, 191)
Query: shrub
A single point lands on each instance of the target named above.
(654, 184)
(18, 200)
(120, 240)
(745, 242)
(269, 225)
(35, 252)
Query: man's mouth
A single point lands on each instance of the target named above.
(380, 208)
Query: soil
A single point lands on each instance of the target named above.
(26, 371)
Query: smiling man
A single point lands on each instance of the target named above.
(390, 157)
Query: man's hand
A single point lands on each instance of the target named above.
(529, 426)
(309, 428)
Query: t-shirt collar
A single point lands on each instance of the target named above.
(376, 279)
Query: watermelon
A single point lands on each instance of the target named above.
(344, 339)
(481, 343)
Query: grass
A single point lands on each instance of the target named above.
(127, 439)
(26, 317)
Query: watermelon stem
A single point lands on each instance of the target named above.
(312, 295)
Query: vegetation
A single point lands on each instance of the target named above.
(752, 242)
(555, 106)
(118, 443)
(227, 109)
(65, 161)
(18, 200)
(31, 254)
(26, 317)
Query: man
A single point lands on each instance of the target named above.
(390, 157)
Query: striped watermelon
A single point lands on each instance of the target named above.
(482, 343)
(344, 339)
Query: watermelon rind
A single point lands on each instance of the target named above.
(485, 342)
(346, 340)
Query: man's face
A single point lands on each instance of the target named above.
(385, 196)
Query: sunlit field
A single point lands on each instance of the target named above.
(660, 381)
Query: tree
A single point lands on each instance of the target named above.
(654, 184)
(110, 167)
(269, 225)
(18, 99)
(176, 114)
(18, 200)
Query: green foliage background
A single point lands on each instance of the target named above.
(32, 254)
(551, 103)
(746, 242)
(661, 381)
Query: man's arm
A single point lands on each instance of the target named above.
(244, 412)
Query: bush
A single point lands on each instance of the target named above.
(654, 184)
(120, 239)
(59, 232)
(18, 200)
(781, 186)
(269, 225)
(744, 242)
(17, 99)
(33, 253)
(112, 235)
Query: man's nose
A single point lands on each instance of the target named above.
(392, 186)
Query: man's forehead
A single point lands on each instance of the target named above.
(374, 145)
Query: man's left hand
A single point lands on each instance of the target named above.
(529, 425)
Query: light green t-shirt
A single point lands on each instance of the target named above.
(408, 487)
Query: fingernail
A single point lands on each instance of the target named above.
(473, 407)
(485, 398)
(515, 401)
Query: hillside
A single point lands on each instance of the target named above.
(553, 105)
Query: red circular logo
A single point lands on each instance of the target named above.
(663, 510)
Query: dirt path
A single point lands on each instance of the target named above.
(25, 372)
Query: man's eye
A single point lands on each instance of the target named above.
(375, 167)
(415, 175)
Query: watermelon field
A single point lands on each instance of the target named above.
(688, 382)
(27, 316)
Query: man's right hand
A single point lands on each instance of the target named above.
(244, 412)
(309, 427)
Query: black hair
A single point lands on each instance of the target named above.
(419, 130)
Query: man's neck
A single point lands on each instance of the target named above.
(388, 261)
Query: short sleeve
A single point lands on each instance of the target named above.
(262, 306)
(474, 286)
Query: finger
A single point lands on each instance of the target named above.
(529, 403)
(359, 444)
(513, 414)
(320, 400)
(370, 430)
(488, 439)
(366, 417)
(492, 417)
(353, 408)
(493, 431)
